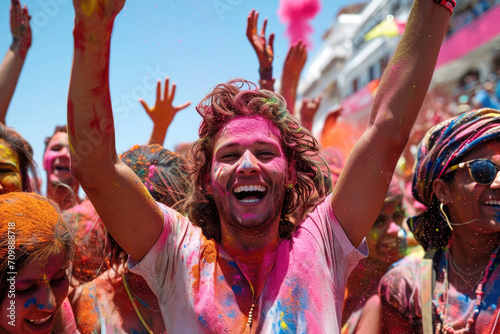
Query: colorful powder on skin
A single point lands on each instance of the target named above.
(297, 14)
(71, 146)
(89, 6)
(88, 311)
(46, 281)
(236, 289)
(29, 302)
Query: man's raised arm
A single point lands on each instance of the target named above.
(359, 194)
(123, 203)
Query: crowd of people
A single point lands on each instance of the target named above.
(254, 227)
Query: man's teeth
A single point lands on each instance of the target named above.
(250, 188)
(39, 321)
(249, 200)
(491, 202)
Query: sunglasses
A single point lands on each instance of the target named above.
(482, 171)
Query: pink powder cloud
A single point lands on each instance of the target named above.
(297, 14)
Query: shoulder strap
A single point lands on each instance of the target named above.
(427, 283)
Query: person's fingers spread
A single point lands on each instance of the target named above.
(183, 106)
(167, 84)
(271, 41)
(250, 24)
(263, 32)
(158, 90)
(145, 105)
(15, 16)
(172, 94)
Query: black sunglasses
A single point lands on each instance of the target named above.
(482, 171)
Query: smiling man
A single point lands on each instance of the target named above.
(237, 263)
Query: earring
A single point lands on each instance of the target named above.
(441, 207)
(290, 185)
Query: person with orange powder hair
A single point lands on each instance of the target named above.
(237, 263)
(36, 248)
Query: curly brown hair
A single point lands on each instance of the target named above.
(242, 98)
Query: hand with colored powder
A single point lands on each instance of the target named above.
(294, 63)
(120, 199)
(94, 15)
(163, 112)
(263, 48)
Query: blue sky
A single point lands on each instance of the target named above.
(195, 43)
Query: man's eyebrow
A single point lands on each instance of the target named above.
(258, 142)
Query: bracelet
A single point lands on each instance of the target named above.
(266, 84)
(266, 73)
(450, 4)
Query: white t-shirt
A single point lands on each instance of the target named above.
(201, 289)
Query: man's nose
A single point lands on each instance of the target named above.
(248, 164)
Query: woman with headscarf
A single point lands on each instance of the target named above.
(455, 288)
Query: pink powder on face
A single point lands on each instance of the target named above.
(48, 159)
(60, 138)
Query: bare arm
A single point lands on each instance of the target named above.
(123, 203)
(13, 62)
(263, 49)
(359, 195)
(163, 112)
(294, 63)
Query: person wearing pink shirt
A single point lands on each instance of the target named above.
(236, 263)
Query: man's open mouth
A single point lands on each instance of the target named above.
(249, 193)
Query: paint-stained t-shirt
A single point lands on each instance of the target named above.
(200, 288)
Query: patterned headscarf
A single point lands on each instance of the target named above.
(442, 147)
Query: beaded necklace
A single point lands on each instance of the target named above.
(136, 309)
(447, 327)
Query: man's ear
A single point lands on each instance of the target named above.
(208, 184)
(442, 191)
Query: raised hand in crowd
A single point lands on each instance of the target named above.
(13, 62)
(294, 63)
(89, 109)
(308, 109)
(263, 48)
(163, 112)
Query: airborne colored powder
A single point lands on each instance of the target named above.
(297, 14)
